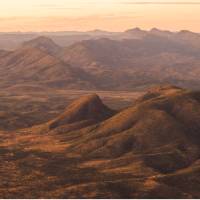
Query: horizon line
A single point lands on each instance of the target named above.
(100, 30)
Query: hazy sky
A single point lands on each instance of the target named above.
(115, 15)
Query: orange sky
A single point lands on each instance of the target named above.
(114, 15)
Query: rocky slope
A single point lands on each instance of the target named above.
(85, 111)
(149, 150)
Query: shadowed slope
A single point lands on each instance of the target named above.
(36, 63)
(165, 120)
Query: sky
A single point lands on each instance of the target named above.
(111, 15)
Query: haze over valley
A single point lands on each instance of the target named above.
(100, 114)
(101, 60)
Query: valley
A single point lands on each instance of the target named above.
(25, 106)
(100, 115)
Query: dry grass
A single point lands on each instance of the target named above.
(141, 152)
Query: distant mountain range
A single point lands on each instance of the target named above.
(12, 40)
(103, 60)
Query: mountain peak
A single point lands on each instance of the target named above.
(41, 40)
(43, 43)
(87, 108)
(136, 33)
(188, 34)
(154, 29)
(159, 32)
(160, 90)
(185, 32)
(136, 29)
(98, 31)
(165, 87)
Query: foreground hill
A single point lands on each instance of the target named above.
(23, 106)
(86, 111)
(149, 150)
